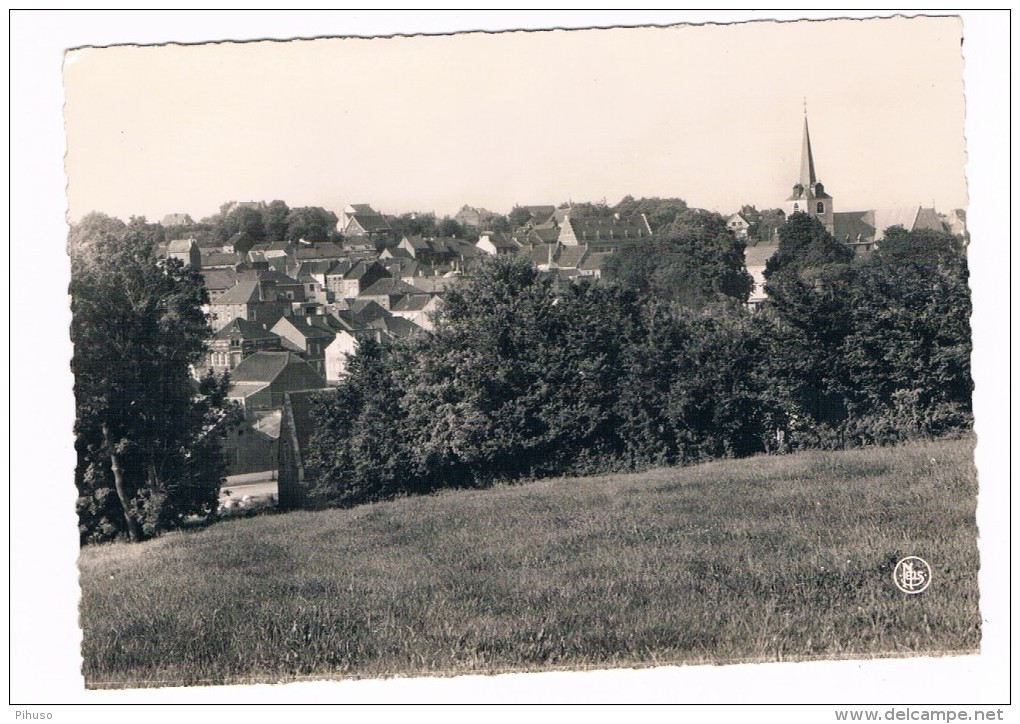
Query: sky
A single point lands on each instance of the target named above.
(871, 136)
(709, 113)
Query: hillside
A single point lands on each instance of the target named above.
(763, 559)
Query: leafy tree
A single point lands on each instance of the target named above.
(519, 216)
(358, 453)
(274, 220)
(147, 435)
(413, 224)
(450, 227)
(311, 223)
(805, 245)
(695, 261)
(94, 226)
(659, 212)
(907, 357)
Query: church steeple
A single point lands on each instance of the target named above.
(807, 160)
(809, 195)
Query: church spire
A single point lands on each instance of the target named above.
(807, 160)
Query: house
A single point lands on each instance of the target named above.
(187, 251)
(177, 220)
(216, 258)
(297, 426)
(249, 299)
(475, 218)
(306, 336)
(318, 251)
(347, 280)
(231, 344)
(217, 281)
(387, 292)
(497, 244)
(361, 220)
(418, 308)
(260, 381)
(739, 225)
(604, 233)
(359, 312)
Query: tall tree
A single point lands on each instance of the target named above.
(146, 433)
(695, 261)
(311, 223)
(274, 219)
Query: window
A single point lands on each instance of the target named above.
(821, 207)
(796, 207)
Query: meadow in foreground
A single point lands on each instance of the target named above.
(762, 559)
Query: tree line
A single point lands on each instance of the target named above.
(522, 381)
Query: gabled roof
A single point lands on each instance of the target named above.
(756, 255)
(241, 328)
(390, 287)
(595, 260)
(416, 242)
(570, 257)
(308, 330)
(851, 225)
(361, 268)
(267, 366)
(246, 291)
(307, 269)
(320, 250)
(369, 223)
(362, 312)
(413, 303)
(216, 279)
(398, 327)
(606, 228)
(179, 246)
(219, 258)
(395, 253)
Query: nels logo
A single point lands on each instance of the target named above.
(912, 575)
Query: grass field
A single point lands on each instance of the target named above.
(764, 559)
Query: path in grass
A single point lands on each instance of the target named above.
(769, 558)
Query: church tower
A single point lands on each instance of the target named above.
(808, 194)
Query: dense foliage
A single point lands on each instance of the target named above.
(693, 260)
(147, 435)
(522, 381)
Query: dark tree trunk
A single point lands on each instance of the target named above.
(118, 483)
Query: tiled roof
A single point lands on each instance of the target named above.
(244, 292)
(215, 279)
(218, 258)
(362, 268)
(605, 228)
(388, 287)
(756, 255)
(370, 222)
(412, 303)
(265, 367)
(306, 329)
(178, 246)
(322, 250)
(849, 225)
(241, 328)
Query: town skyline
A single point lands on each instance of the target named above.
(414, 127)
